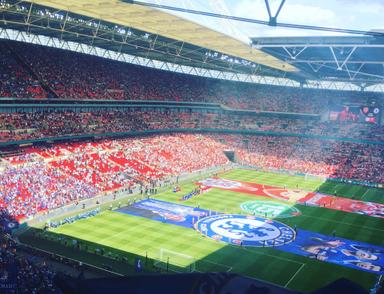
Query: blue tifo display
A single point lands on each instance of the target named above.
(72, 219)
(260, 232)
(241, 230)
(181, 215)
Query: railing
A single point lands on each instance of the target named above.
(64, 103)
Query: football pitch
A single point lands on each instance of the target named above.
(121, 237)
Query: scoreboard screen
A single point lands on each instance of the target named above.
(368, 113)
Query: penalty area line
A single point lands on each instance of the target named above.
(229, 268)
(269, 255)
(294, 275)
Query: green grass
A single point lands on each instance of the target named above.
(124, 235)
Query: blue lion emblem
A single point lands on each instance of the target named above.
(245, 230)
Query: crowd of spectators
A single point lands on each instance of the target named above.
(20, 273)
(52, 177)
(80, 76)
(326, 158)
(15, 80)
(45, 178)
(35, 186)
(28, 125)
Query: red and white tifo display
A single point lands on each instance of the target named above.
(297, 196)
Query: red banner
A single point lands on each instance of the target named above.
(297, 196)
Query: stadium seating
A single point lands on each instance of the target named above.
(21, 126)
(21, 273)
(331, 159)
(15, 80)
(41, 176)
(67, 74)
(45, 178)
(90, 168)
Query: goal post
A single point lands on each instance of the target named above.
(174, 261)
(314, 178)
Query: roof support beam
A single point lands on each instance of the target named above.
(63, 26)
(357, 71)
(11, 6)
(315, 69)
(360, 72)
(95, 33)
(152, 44)
(260, 46)
(178, 50)
(349, 56)
(29, 13)
(349, 73)
(294, 55)
(335, 58)
(332, 61)
(273, 19)
(43, 17)
(168, 45)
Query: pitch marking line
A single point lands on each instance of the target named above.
(229, 268)
(362, 196)
(294, 275)
(266, 254)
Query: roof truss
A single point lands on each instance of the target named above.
(355, 59)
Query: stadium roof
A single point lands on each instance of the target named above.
(357, 59)
(150, 37)
(160, 23)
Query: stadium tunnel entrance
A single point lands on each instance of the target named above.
(231, 155)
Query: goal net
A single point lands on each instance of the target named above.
(174, 261)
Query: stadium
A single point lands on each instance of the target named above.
(191, 146)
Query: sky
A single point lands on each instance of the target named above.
(350, 14)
